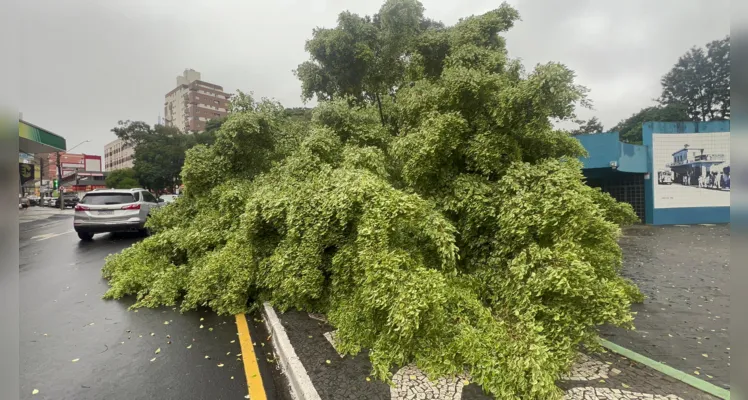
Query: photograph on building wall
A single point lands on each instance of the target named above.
(691, 170)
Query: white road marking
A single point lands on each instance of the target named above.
(50, 235)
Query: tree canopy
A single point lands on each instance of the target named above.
(593, 125)
(122, 179)
(159, 151)
(630, 129)
(429, 208)
(700, 82)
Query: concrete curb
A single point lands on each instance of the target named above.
(301, 386)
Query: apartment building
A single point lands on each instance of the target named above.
(193, 102)
(118, 155)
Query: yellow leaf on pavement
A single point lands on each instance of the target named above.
(189, 347)
(153, 359)
(35, 391)
(158, 350)
(220, 365)
(327, 361)
(76, 359)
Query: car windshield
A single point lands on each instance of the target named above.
(102, 199)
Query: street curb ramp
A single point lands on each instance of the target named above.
(301, 385)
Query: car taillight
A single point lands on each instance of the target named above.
(131, 207)
(79, 207)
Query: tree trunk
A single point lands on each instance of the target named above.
(379, 105)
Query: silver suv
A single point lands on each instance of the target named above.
(113, 210)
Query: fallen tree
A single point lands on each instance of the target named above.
(446, 224)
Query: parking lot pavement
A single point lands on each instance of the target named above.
(604, 375)
(684, 271)
(74, 345)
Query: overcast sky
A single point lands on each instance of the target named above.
(88, 64)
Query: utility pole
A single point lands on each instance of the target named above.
(59, 182)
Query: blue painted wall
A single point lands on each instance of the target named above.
(670, 216)
(603, 148)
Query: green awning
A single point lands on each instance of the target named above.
(34, 140)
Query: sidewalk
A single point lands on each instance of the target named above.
(596, 376)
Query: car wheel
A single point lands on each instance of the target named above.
(85, 236)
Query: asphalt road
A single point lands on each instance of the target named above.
(74, 345)
(684, 271)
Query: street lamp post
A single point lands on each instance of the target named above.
(59, 175)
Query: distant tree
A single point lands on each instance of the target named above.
(122, 179)
(630, 129)
(159, 152)
(700, 82)
(300, 113)
(593, 125)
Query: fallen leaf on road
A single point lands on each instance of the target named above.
(35, 391)
(189, 347)
(705, 355)
(310, 336)
(327, 361)
(625, 385)
(166, 322)
(709, 376)
(263, 344)
(153, 334)
(239, 355)
(201, 327)
(368, 379)
(220, 365)
(232, 377)
(697, 372)
(76, 359)
(602, 380)
(202, 319)
(121, 342)
(207, 357)
(228, 352)
(670, 335)
(90, 324)
(45, 334)
(140, 335)
(210, 329)
(158, 350)
(233, 341)
(466, 382)
(153, 359)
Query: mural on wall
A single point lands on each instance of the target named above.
(691, 169)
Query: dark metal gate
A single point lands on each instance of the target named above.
(625, 187)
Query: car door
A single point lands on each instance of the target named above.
(150, 200)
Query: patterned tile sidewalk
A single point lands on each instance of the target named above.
(594, 376)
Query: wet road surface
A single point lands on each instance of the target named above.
(119, 354)
(684, 272)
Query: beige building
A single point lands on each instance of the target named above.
(118, 155)
(193, 102)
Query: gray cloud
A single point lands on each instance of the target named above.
(87, 64)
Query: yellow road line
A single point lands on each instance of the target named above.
(251, 369)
